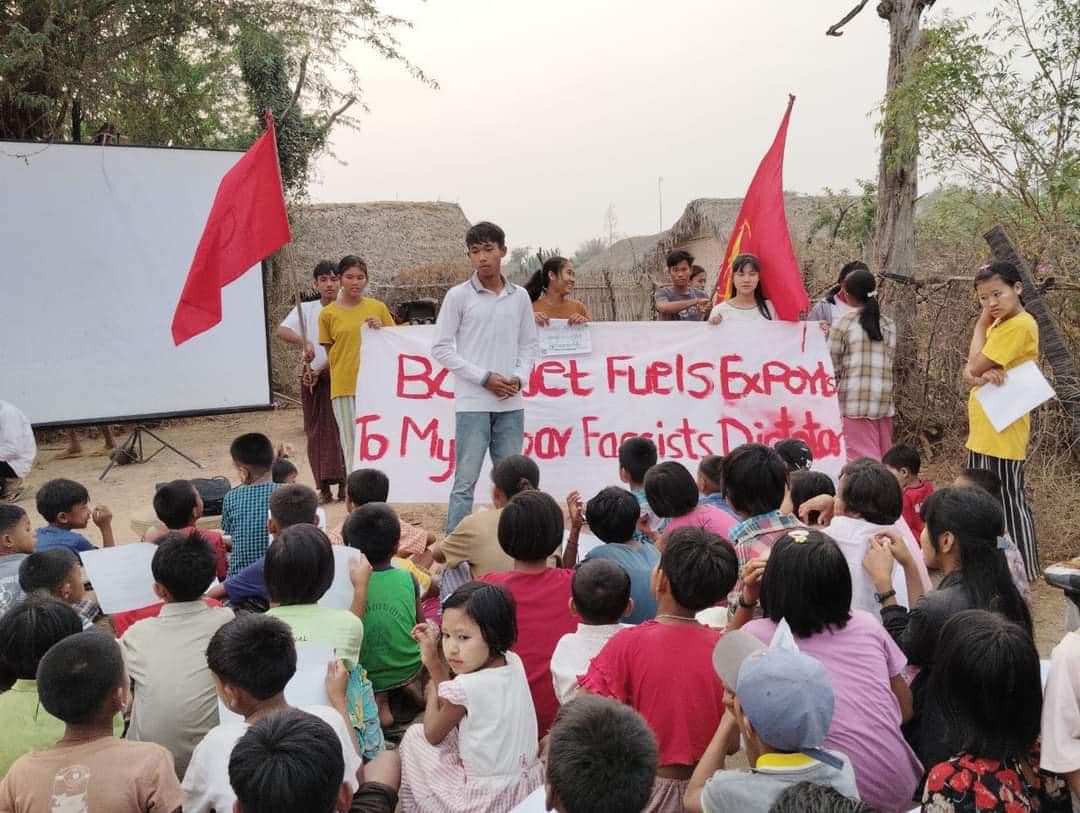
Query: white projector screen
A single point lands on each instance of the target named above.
(96, 243)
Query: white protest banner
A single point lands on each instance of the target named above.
(694, 389)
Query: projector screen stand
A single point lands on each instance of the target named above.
(132, 447)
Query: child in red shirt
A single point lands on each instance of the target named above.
(904, 462)
(663, 668)
(179, 506)
(530, 531)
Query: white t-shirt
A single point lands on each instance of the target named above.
(311, 324)
(731, 313)
(574, 653)
(17, 446)
(853, 538)
(206, 783)
(1061, 710)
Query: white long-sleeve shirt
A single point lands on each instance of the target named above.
(17, 446)
(480, 332)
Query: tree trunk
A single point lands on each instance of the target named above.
(894, 242)
(1051, 343)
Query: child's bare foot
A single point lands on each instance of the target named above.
(69, 453)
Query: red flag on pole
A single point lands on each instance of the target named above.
(761, 229)
(247, 223)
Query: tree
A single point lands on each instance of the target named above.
(846, 217)
(589, 249)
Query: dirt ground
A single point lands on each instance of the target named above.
(128, 490)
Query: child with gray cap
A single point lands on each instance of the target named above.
(781, 702)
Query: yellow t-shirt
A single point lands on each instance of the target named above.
(564, 310)
(339, 330)
(1008, 343)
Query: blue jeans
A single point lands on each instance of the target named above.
(475, 433)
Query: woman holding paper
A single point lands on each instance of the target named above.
(550, 288)
(1005, 336)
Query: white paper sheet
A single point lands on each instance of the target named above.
(308, 685)
(558, 338)
(121, 576)
(340, 594)
(1024, 389)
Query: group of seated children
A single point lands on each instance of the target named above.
(829, 657)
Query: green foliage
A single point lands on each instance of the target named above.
(847, 218)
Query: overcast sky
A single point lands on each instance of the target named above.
(550, 110)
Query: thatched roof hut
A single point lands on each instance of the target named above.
(615, 285)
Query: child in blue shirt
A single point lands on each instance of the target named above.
(65, 505)
(636, 456)
(245, 508)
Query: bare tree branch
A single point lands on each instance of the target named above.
(301, 76)
(337, 113)
(835, 30)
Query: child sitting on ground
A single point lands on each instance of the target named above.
(904, 462)
(16, 543)
(989, 482)
(244, 508)
(174, 699)
(662, 668)
(283, 472)
(253, 658)
(612, 516)
(636, 456)
(179, 506)
(57, 572)
(389, 652)
(782, 707)
(601, 598)
(673, 496)
(81, 681)
(477, 747)
(65, 505)
(530, 531)
(601, 756)
(804, 486)
(26, 633)
(710, 482)
(299, 570)
(796, 454)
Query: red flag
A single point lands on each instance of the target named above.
(247, 223)
(761, 229)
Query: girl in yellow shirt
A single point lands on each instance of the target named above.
(1005, 336)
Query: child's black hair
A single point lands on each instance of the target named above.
(324, 268)
(697, 271)
(670, 490)
(985, 676)
(367, 485)
(601, 591)
(59, 496)
(700, 567)
(174, 504)
(351, 261)
(485, 232)
(854, 265)
(711, 470)
(294, 504)
(903, 457)
(860, 287)
(47, 569)
(808, 582)
(531, 526)
(797, 455)
(541, 278)
(977, 521)
(10, 516)
(299, 566)
(613, 515)
(282, 470)
(636, 456)
(759, 294)
(679, 256)
(806, 485)
(755, 479)
(288, 761)
(27, 631)
(602, 757)
(374, 530)
(254, 652)
(515, 474)
(77, 675)
(184, 564)
(253, 450)
(493, 610)
(985, 479)
(1003, 270)
(872, 491)
(806, 797)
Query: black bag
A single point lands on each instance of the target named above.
(212, 490)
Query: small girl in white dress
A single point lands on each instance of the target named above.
(477, 747)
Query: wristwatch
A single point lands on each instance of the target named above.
(883, 597)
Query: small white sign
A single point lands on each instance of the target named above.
(121, 576)
(560, 338)
(1024, 389)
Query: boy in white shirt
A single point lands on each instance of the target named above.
(600, 596)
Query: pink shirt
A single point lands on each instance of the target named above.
(861, 658)
(665, 672)
(709, 517)
(543, 617)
